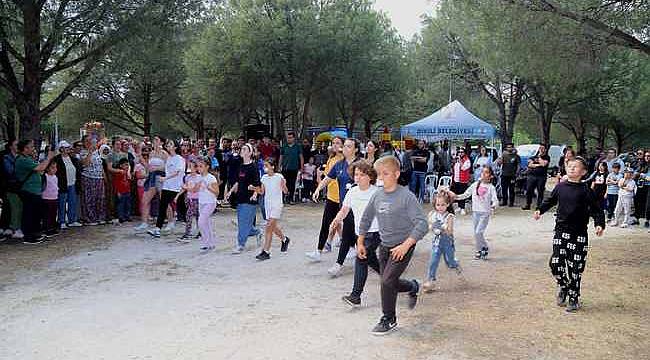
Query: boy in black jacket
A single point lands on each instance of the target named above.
(576, 202)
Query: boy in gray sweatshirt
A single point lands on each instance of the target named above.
(401, 225)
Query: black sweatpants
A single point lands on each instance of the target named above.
(459, 188)
(569, 259)
(371, 242)
(32, 215)
(166, 198)
(391, 284)
(640, 202)
(348, 238)
(535, 183)
(508, 190)
(331, 209)
(290, 176)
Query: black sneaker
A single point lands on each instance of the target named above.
(574, 305)
(413, 295)
(263, 256)
(34, 241)
(197, 236)
(484, 253)
(384, 326)
(285, 244)
(511, 205)
(560, 298)
(352, 301)
(527, 207)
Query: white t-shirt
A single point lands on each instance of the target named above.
(272, 190)
(70, 171)
(174, 164)
(357, 200)
(206, 196)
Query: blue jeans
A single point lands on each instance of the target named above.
(68, 198)
(443, 247)
(417, 178)
(124, 206)
(245, 219)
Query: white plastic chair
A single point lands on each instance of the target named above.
(430, 182)
(444, 181)
(297, 195)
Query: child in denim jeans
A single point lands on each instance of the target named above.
(441, 224)
(612, 189)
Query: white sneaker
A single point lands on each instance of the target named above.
(169, 227)
(115, 221)
(75, 224)
(18, 234)
(462, 212)
(155, 232)
(335, 270)
(237, 250)
(141, 228)
(313, 255)
(8, 232)
(624, 225)
(64, 226)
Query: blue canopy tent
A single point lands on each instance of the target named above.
(451, 122)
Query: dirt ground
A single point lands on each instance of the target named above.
(104, 293)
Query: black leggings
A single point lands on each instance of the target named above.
(331, 209)
(459, 188)
(348, 238)
(166, 198)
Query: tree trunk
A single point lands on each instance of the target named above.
(29, 107)
(580, 134)
(354, 118)
(601, 135)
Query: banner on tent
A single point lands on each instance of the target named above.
(440, 133)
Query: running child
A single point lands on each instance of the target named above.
(626, 191)
(484, 201)
(357, 200)
(441, 223)
(190, 182)
(576, 202)
(208, 189)
(273, 186)
(401, 225)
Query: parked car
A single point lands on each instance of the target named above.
(527, 151)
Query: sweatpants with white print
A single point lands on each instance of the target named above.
(569, 259)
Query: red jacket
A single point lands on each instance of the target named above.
(463, 170)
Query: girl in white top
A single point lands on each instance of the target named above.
(207, 187)
(357, 199)
(273, 186)
(172, 183)
(484, 201)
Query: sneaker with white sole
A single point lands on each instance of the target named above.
(141, 228)
(18, 234)
(313, 255)
(336, 270)
(463, 212)
(8, 232)
(64, 227)
(75, 224)
(155, 232)
(169, 228)
(237, 250)
(385, 326)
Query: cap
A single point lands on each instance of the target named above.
(63, 144)
(629, 170)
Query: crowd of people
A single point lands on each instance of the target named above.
(373, 195)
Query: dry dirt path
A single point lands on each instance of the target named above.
(103, 293)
